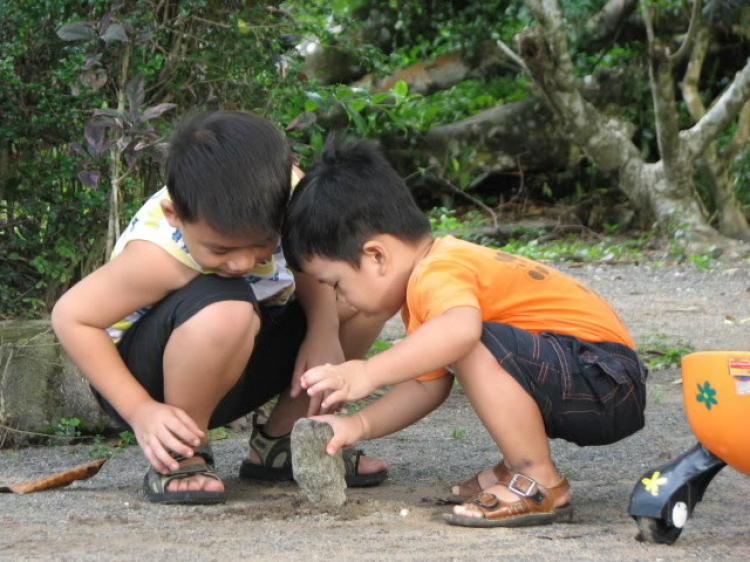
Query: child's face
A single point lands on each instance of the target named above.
(224, 255)
(366, 288)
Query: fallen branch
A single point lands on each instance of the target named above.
(564, 229)
(58, 480)
(474, 200)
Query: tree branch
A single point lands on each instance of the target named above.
(661, 84)
(687, 44)
(649, 23)
(689, 85)
(601, 138)
(720, 115)
(741, 139)
(474, 200)
(513, 56)
(550, 16)
(610, 19)
(444, 71)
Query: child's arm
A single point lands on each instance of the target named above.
(140, 276)
(321, 344)
(406, 404)
(435, 344)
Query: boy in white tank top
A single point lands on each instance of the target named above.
(195, 320)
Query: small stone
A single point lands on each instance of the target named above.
(404, 512)
(321, 477)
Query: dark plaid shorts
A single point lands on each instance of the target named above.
(268, 372)
(588, 393)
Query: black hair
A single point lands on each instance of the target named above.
(348, 196)
(232, 170)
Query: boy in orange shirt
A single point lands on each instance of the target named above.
(538, 354)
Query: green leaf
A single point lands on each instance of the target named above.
(156, 110)
(401, 88)
(358, 105)
(115, 32)
(105, 111)
(316, 140)
(359, 123)
(342, 91)
(135, 91)
(78, 31)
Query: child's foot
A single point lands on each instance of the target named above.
(367, 465)
(196, 483)
(480, 482)
(270, 458)
(505, 495)
(522, 501)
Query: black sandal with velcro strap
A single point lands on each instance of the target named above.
(155, 484)
(276, 457)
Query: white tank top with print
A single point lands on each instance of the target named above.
(271, 281)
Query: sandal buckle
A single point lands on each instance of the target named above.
(531, 487)
(486, 501)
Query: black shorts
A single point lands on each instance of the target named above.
(588, 393)
(268, 372)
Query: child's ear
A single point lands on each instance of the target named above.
(376, 253)
(170, 213)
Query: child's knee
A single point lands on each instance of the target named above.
(222, 323)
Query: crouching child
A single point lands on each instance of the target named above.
(539, 354)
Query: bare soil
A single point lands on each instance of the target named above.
(107, 517)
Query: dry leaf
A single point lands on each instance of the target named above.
(58, 480)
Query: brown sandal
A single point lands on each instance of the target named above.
(534, 508)
(470, 488)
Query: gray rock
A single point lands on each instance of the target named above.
(321, 477)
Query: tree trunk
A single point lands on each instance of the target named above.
(116, 174)
(4, 167)
(716, 166)
(668, 199)
(665, 190)
(507, 136)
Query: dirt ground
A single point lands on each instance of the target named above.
(107, 518)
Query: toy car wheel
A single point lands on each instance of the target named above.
(656, 531)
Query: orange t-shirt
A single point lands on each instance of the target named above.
(508, 289)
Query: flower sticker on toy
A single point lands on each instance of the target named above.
(652, 484)
(739, 369)
(707, 395)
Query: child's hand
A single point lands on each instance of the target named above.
(346, 382)
(161, 428)
(347, 430)
(312, 353)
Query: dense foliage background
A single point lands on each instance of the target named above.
(90, 88)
